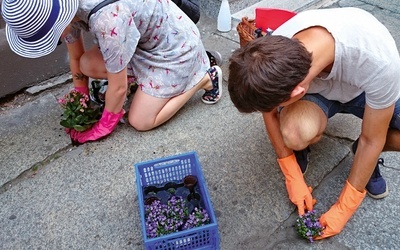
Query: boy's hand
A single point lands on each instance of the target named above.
(336, 218)
(296, 187)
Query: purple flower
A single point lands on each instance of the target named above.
(308, 226)
(197, 218)
(162, 219)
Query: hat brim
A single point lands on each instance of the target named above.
(48, 43)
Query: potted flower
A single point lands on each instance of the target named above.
(197, 218)
(168, 174)
(163, 219)
(78, 114)
(308, 226)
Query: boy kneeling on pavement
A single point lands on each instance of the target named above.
(319, 63)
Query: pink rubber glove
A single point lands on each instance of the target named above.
(296, 187)
(103, 127)
(83, 90)
(336, 218)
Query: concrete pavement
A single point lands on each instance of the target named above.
(55, 196)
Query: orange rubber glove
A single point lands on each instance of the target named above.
(336, 218)
(296, 187)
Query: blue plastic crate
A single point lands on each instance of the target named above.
(175, 168)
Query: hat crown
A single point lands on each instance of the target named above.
(34, 27)
(25, 17)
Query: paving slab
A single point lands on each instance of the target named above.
(29, 135)
(86, 198)
(61, 197)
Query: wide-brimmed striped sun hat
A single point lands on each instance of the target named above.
(34, 27)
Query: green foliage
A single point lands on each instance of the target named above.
(78, 114)
(308, 226)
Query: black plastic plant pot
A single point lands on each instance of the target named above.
(194, 197)
(170, 185)
(163, 196)
(150, 200)
(182, 192)
(190, 181)
(150, 189)
(171, 190)
(193, 201)
(190, 207)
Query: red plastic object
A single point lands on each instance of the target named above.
(272, 18)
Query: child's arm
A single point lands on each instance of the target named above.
(76, 49)
(113, 110)
(116, 90)
(299, 192)
(271, 121)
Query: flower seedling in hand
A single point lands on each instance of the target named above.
(78, 114)
(308, 226)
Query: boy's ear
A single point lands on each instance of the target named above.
(298, 90)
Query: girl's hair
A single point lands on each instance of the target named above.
(263, 73)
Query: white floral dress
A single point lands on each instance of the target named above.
(160, 46)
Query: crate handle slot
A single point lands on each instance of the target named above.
(167, 163)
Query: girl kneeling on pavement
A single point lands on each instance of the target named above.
(152, 42)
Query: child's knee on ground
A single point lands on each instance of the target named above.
(140, 125)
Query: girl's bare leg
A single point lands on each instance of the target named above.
(92, 64)
(147, 112)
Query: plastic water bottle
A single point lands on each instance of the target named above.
(224, 23)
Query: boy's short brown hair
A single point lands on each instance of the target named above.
(263, 73)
